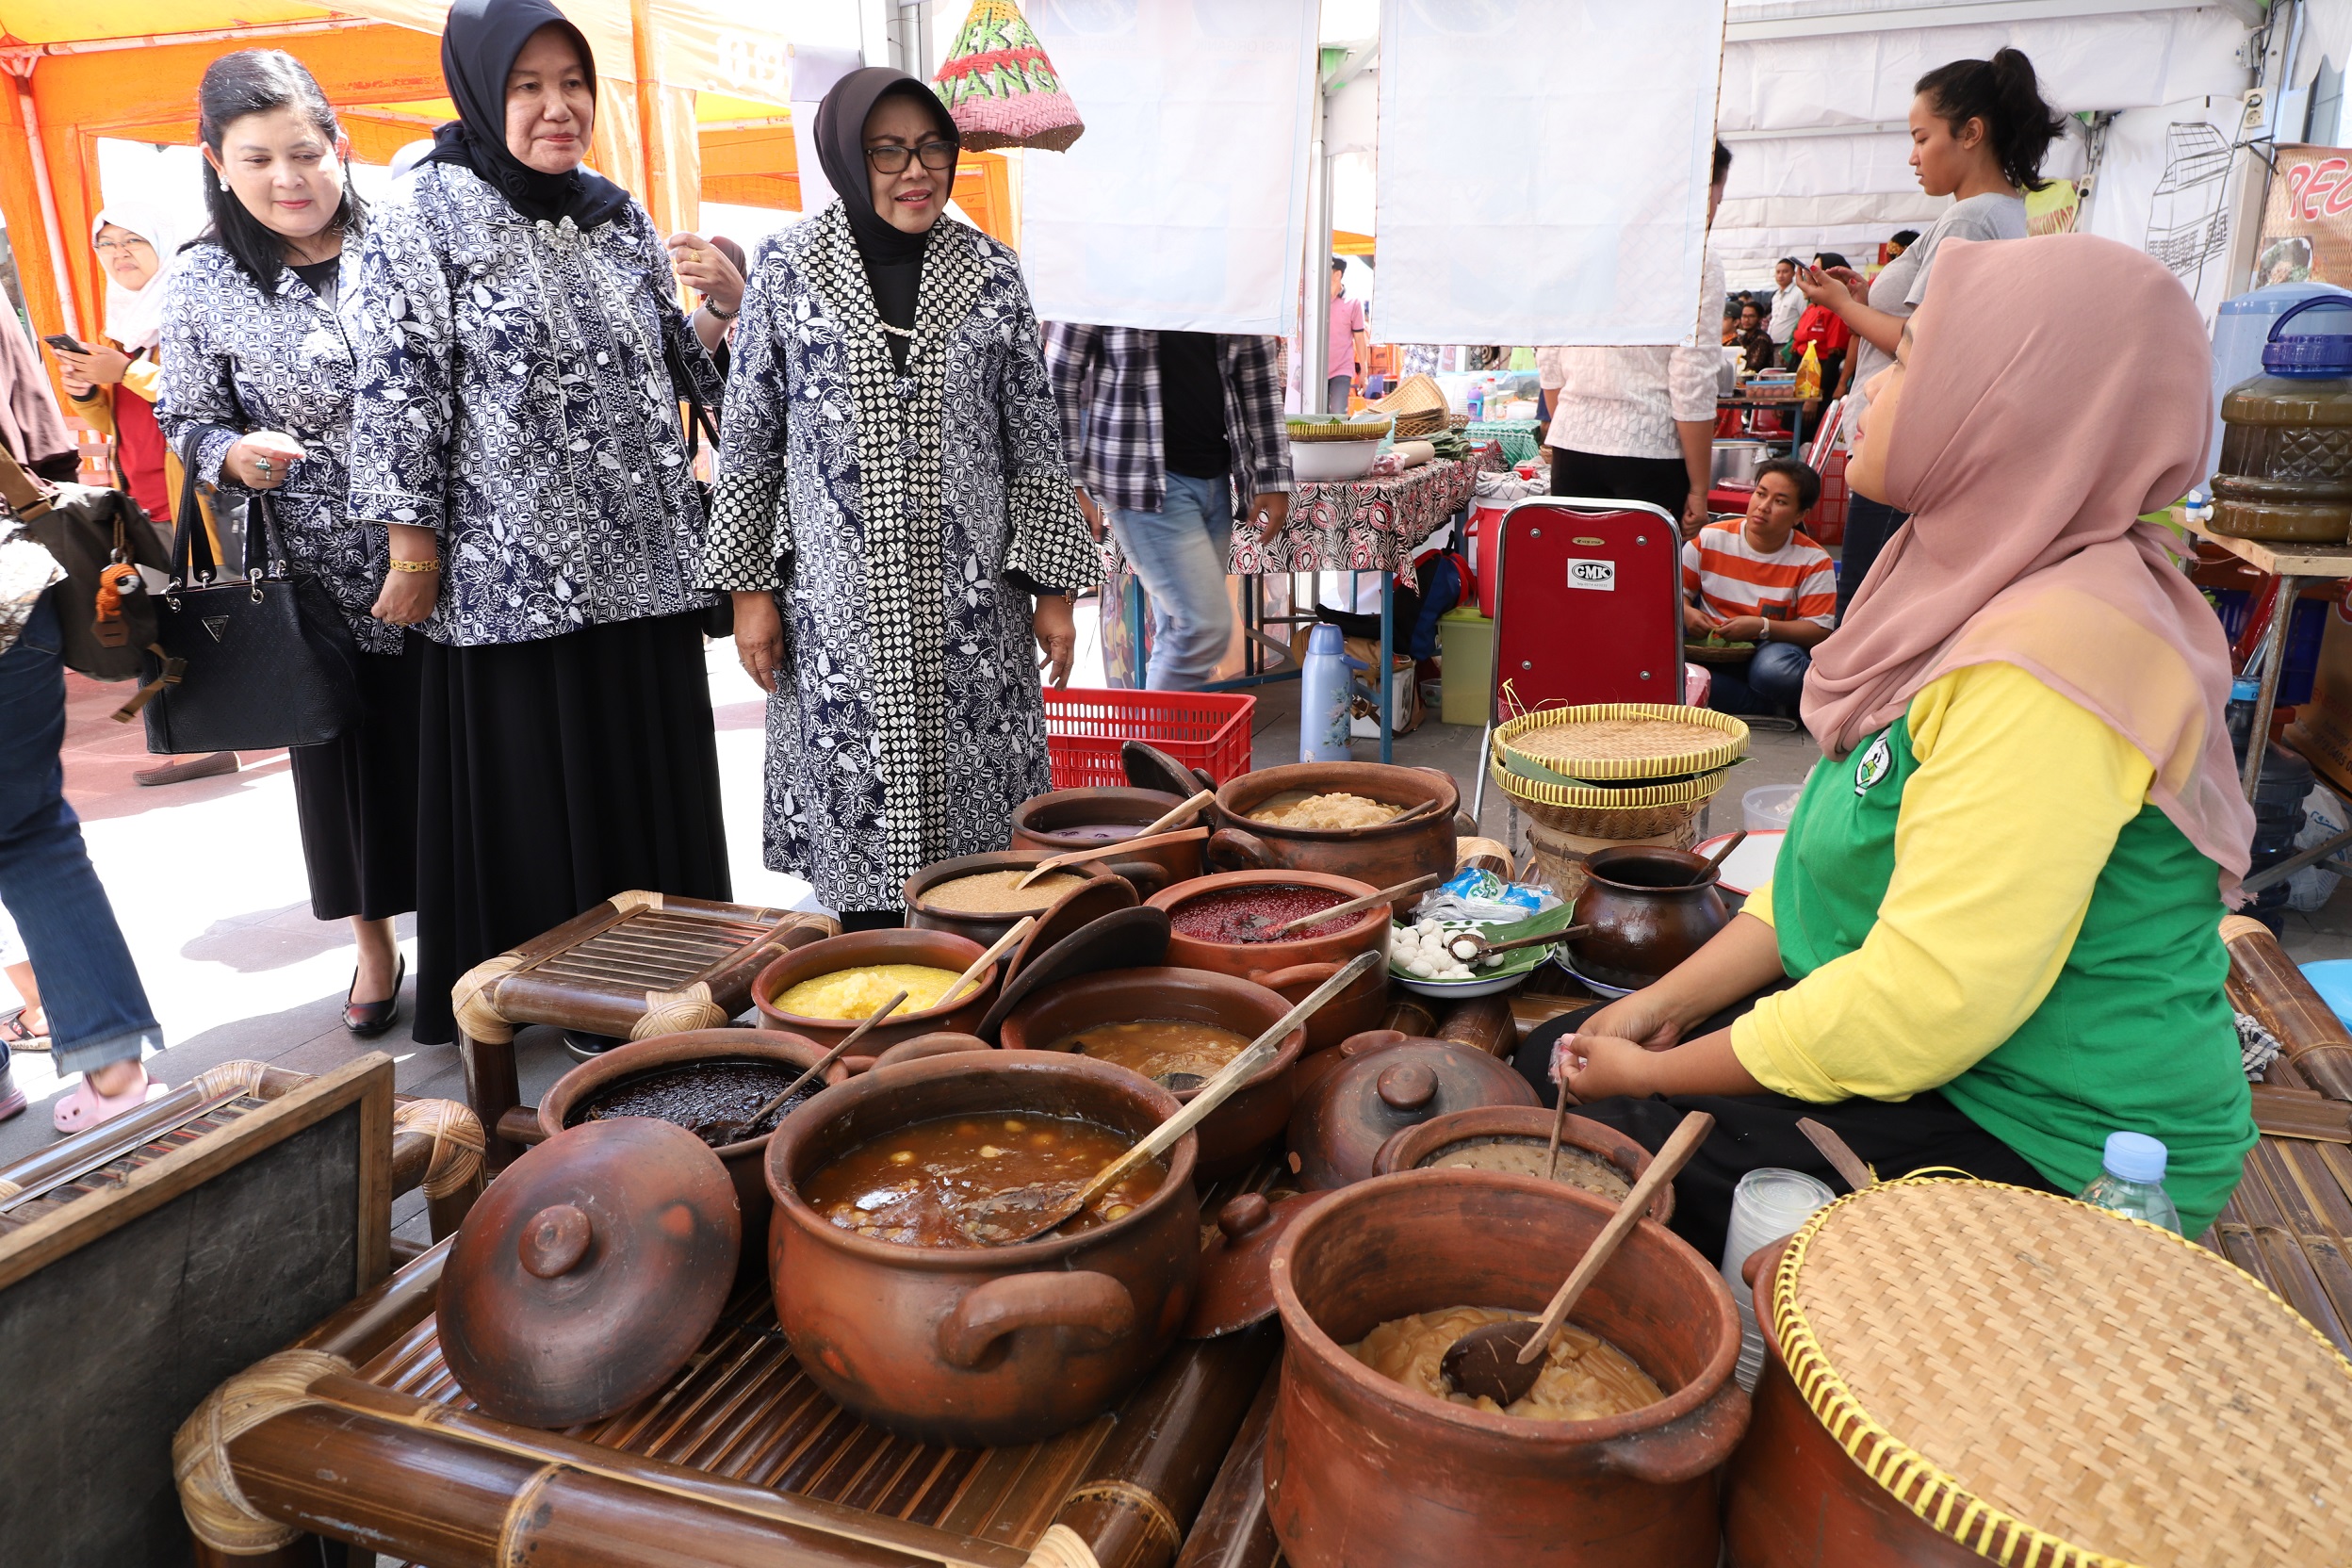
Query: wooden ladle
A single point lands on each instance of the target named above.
(1353, 907)
(724, 1131)
(1480, 947)
(1502, 1361)
(1123, 846)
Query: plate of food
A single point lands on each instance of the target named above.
(1421, 960)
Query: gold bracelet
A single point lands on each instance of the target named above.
(399, 565)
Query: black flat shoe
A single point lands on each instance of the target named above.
(586, 1047)
(367, 1019)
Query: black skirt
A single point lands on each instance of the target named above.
(554, 775)
(356, 798)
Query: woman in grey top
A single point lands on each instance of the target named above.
(515, 430)
(1979, 132)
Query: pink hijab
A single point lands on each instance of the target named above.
(2056, 391)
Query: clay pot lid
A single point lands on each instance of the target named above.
(1134, 938)
(1235, 1289)
(589, 1272)
(1068, 915)
(1148, 767)
(1339, 1125)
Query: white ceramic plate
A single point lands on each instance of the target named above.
(1560, 957)
(1487, 986)
(1751, 865)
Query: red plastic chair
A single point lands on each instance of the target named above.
(1587, 608)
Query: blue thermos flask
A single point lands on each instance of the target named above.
(1326, 690)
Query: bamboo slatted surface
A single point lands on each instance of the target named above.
(111, 1170)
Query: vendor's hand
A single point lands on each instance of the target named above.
(1601, 1067)
(1696, 620)
(1693, 514)
(1742, 628)
(759, 638)
(1640, 1017)
(704, 267)
(100, 366)
(1272, 513)
(406, 598)
(1091, 513)
(262, 459)
(1057, 629)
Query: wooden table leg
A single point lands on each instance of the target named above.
(492, 1089)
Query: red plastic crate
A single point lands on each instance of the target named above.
(1086, 725)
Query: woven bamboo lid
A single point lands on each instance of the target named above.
(1619, 740)
(2052, 1385)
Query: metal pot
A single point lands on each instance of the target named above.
(1736, 462)
(1381, 856)
(936, 949)
(985, 928)
(1359, 1469)
(980, 1346)
(1235, 1133)
(1407, 1150)
(1295, 967)
(1648, 908)
(743, 1161)
(1036, 819)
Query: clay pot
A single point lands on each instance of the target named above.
(1380, 1087)
(1296, 967)
(980, 928)
(1380, 856)
(947, 1042)
(980, 1346)
(1408, 1148)
(1238, 1130)
(1649, 909)
(935, 949)
(1359, 1469)
(744, 1160)
(1034, 822)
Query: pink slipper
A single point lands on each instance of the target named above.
(86, 1107)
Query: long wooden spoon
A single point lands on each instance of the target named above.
(1354, 906)
(1480, 947)
(1187, 809)
(727, 1130)
(1715, 862)
(1502, 1361)
(1041, 1220)
(1834, 1149)
(1102, 852)
(996, 949)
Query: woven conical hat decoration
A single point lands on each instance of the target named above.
(1000, 88)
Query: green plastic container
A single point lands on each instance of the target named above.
(1465, 643)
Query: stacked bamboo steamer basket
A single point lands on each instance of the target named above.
(1594, 776)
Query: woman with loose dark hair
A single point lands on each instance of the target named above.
(257, 393)
(516, 426)
(1979, 133)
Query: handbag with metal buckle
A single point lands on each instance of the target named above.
(265, 661)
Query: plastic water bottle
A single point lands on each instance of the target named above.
(1324, 697)
(1478, 401)
(2132, 1182)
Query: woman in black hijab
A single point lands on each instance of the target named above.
(515, 425)
(893, 515)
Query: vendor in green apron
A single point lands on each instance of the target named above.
(1999, 897)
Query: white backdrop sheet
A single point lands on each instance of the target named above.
(1180, 207)
(1544, 168)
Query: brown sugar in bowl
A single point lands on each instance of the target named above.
(933, 949)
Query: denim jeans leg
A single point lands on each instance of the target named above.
(1181, 552)
(98, 1011)
(1776, 676)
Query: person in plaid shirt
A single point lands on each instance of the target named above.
(1161, 429)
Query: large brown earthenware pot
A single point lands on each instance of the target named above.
(1360, 1469)
(1648, 908)
(923, 915)
(1382, 856)
(565, 1101)
(934, 949)
(1410, 1149)
(1380, 1088)
(1040, 823)
(1298, 965)
(975, 1347)
(1236, 1131)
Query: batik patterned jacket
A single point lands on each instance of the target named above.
(238, 358)
(515, 392)
(898, 520)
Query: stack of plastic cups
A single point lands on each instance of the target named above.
(1766, 1206)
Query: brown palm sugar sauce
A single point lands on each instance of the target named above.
(699, 1094)
(1585, 1377)
(1528, 1157)
(1248, 914)
(1158, 1046)
(934, 1182)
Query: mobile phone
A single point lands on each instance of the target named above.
(64, 343)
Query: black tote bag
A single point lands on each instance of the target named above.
(264, 659)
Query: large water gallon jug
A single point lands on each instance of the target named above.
(2241, 328)
(2286, 437)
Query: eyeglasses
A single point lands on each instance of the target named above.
(105, 245)
(893, 160)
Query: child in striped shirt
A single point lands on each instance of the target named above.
(1760, 581)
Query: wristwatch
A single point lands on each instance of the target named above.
(1765, 634)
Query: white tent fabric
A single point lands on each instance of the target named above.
(1180, 207)
(2163, 189)
(1583, 221)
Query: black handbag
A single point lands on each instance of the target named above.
(99, 538)
(266, 660)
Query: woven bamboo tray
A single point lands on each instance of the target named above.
(1684, 758)
(1590, 804)
(1419, 405)
(1313, 431)
(2044, 1383)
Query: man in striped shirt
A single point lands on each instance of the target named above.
(1760, 581)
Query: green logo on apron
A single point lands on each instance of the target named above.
(1876, 759)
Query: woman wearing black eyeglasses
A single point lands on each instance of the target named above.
(893, 515)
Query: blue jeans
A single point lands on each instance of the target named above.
(1179, 552)
(1770, 683)
(98, 1011)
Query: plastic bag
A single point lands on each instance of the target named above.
(1808, 375)
(1481, 895)
(2322, 818)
